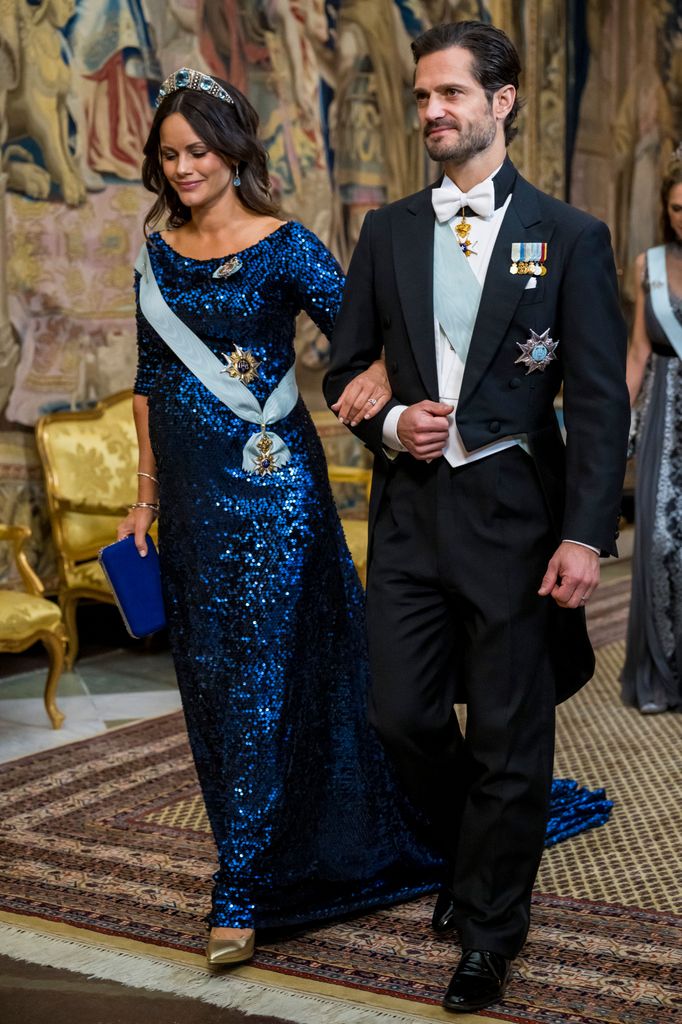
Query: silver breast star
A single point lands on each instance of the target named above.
(538, 352)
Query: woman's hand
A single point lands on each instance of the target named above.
(364, 396)
(137, 522)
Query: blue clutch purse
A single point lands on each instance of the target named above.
(136, 584)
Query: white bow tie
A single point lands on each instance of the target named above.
(448, 201)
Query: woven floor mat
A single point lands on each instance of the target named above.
(607, 611)
(636, 859)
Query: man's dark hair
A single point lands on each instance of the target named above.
(495, 61)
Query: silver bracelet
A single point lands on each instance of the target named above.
(149, 477)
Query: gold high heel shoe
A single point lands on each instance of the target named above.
(229, 951)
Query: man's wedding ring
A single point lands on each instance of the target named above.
(372, 401)
(583, 600)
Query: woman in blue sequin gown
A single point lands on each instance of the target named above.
(265, 609)
(652, 673)
(264, 606)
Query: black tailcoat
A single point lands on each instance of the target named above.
(388, 305)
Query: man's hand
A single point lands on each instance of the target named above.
(572, 575)
(423, 429)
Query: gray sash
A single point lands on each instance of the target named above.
(660, 297)
(199, 359)
(456, 290)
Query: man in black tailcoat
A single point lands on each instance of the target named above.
(486, 296)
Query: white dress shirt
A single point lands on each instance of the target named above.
(449, 366)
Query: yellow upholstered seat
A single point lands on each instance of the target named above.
(22, 615)
(90, 462)
(26, 618)
(87, 574)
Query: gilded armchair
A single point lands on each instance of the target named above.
(89, 459)
(28, 617)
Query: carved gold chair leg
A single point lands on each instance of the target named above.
(68, 607)
(26, 616)
(55, 644)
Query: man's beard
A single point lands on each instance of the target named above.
(479, 137)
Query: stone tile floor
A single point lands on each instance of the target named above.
(103, 691)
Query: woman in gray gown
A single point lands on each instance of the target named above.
(652, 676)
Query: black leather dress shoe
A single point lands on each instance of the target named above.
(443, 919)
(480, 979)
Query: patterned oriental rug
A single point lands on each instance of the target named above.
(105, 862)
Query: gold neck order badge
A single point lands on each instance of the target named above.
(265, 463)
(462, 231)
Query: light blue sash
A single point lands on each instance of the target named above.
(660, 297)
(456, 290)
(198, 358)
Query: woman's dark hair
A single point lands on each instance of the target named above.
(672, 178)
(228, 129)
(495, 61)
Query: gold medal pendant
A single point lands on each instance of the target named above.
(462, 231)
(265, 463)
(241, 365)
(528, 258)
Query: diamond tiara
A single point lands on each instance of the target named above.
(188, 78)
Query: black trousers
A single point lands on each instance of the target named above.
(454, 616)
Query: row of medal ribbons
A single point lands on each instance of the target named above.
(529, 258)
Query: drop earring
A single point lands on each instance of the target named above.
(236, 181)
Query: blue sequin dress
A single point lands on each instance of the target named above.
(266, 613)
(266, 616)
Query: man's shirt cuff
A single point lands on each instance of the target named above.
(389, 432)
(567, 540)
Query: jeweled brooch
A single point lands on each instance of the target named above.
(537, 352)
(242, 365)
(229, 268)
